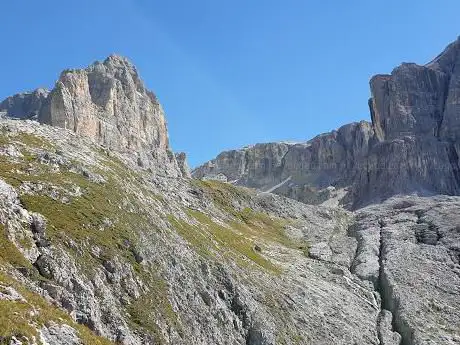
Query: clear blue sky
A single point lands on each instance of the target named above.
(231, 73)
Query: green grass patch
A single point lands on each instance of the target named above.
(153, 306)
(223, 194)
(9, 171)
(83, 219)
(260, 225)
(201, 241)
(33, 141)
(4, 137)
(229, 240)
(9, 253)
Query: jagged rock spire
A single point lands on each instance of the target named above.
(109, 103)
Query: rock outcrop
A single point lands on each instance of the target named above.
(412, 145)
(419, 100)
(181, 159)
(25, 105)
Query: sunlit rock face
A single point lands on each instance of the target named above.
(107, 102)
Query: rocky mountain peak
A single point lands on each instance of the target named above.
(120, 68)
(418, 100)
(109, 103)
(117, 63)
(116, 60)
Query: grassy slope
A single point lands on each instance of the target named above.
(82, 219)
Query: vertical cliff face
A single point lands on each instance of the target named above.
(412, 145)
(419, 100)
(410, 101)
(449, 63)
(302, 171)
(416, 119)
(109, 103)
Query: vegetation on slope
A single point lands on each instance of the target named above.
(104, 206)
(22, 318)
(102, 215)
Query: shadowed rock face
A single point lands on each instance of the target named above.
(412, 145)
(416, 121)
(419, 100)
(307, 169)
(24, 105)
(322, 161)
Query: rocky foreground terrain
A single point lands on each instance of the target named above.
(105, 238)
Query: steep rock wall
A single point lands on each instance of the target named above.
(411, 146)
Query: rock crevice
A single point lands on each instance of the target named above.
(368, 265)
(389, 313)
